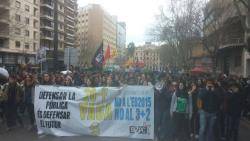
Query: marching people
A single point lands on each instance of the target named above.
(246, 108)
(14, 93)
(159, 101)
(194, 122)
(190, 109)
(208, 104)
(29, 94)
(235, 104)
(46, 79)
(181, 112)
(67, 81)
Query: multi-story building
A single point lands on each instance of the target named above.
(121, 42)
(58, 19)
(95, 26)
(19, 32)
(224, 32)
(148, 56)
(121, 35)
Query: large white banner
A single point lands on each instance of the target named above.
(109, 111)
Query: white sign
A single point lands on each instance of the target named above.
(110, 112)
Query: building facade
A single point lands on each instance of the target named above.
(148, 57)
(58, 20)
(121, 43)
(19, 32)
(94, 26)
(121, 35)
(200, 57)
(224, 29)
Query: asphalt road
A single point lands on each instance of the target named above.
(22, 134)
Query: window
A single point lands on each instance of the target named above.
(35, 11)
(18, 18)
(27, 46)
(60, 45)
(34, 46)
(35, 24)
(35, 35)
(60, 7)
(35, 2)
(18, 31)
(18, 4)
(61, 26)
(237, 61)
(27, 20)
(27, 8)
(18, 44)
(27, 33)
(1, 43)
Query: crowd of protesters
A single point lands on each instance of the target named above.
(187, 107)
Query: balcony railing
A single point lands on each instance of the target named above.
(4, 4)
(46, 37)
(4, 34)
(47, 27)
(232, 42)
(48, 16)
(48, 5)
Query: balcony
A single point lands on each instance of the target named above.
(47, 27)
(231, 42)
(47, 16)
(50, 6)
(61, 1)
(5, 4)
(43, 37)
(4, 43)
(5, 21)
(70, 8)
(4, 32)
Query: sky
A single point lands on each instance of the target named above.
(139, 15)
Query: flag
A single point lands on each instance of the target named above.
(114, 52)
(107, 54)
(98, 59)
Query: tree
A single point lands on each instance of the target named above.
(193, 21)
(179, 29)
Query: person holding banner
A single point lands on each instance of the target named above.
(29, 94)
(68, 81)
(46, 80)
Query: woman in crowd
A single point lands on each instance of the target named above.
(194, 122)
(67, 81)
(181, 112)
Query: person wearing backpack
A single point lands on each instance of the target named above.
(181, 112)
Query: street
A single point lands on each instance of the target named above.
(24, 134)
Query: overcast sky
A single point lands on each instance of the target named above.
(138, 15)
